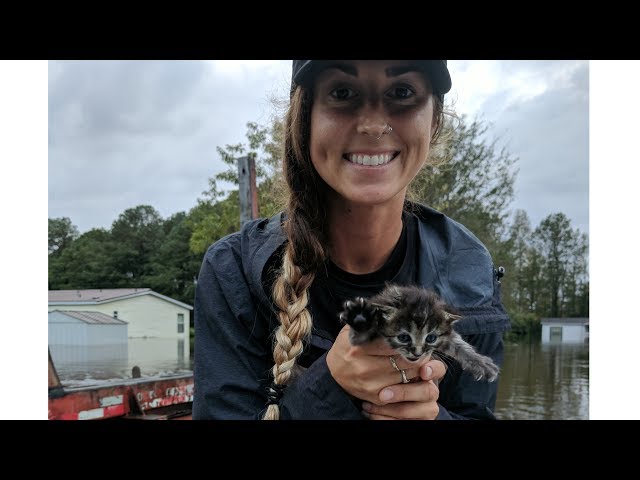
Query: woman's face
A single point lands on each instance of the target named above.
(353, 103)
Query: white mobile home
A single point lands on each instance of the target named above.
(565, 330)
(148, 313)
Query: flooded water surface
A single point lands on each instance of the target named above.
(538, 381)
(84, 365)
(544, 382)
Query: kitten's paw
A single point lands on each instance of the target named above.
(492, 372)
(489, 372)
(358, 314)
(354, 314)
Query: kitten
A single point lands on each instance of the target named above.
(415, 322)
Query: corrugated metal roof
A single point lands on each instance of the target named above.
(92, 317)
(568, 320)
(94, 295)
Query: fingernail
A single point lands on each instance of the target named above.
(366, 406)
(428, 371)
(386, 394)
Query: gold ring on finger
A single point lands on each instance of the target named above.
(393, 362)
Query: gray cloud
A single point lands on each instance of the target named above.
(549, 134)
(125, 133)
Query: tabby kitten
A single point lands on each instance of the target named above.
(415, 322)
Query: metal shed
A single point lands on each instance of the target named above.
(85, 328)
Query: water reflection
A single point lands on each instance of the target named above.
(538, 381)
(544, 382)
(84, 365)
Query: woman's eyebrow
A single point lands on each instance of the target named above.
(390, 71)
(395, 71)
(343, 67)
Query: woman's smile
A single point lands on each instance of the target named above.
(370, 159)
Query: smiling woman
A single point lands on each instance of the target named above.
(269, 342)
(391, 109)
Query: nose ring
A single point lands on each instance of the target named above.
(387, 130)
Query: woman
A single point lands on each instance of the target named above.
(268, 340)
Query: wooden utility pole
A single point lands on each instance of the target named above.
(248, 191)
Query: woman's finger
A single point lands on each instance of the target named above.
(377, 417)
(410, 392)
(432, 370)
(403, 410)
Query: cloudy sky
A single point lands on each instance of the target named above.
(126, 133)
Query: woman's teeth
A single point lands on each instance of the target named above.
(370, 159)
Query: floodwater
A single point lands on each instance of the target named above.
(89, 365)
(538, 381)
(544, 382)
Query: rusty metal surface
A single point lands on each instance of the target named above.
(54, 380)
(135, 397)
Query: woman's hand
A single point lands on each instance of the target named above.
(410, 401)
(365, 370)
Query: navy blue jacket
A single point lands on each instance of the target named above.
(235, 319)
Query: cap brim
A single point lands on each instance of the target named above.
(305, 70)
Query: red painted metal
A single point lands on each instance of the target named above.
(134, 398)
(152, 398)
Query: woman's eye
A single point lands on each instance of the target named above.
(401, 92)
(404, 338)
(343, 93)
(432, 337)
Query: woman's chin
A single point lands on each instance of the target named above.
(370, 196)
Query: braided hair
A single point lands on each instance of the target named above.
(306, 229)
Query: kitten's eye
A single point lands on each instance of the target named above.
(404, 338)
(431, 338)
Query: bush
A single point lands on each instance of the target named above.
(524, 325)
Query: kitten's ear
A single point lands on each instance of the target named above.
(393, 291)
(451, 317)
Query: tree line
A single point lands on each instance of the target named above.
(473, 182)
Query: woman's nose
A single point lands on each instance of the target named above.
(375, 129)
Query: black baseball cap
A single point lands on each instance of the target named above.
(303, 71)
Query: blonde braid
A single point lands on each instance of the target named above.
(304, 254)
(290, 292)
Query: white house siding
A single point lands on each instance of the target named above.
(66, 330)
(570, 333)
(158, 352)
(106, 334)
(147, 316)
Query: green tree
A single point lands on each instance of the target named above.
(474, 184)
(86, 263)
(173, 266)
(520, 249)
(557, 244)
(534, 286)
(136, 235)
(576, 284)
(215, 216)
(211, 221)
(61, 233)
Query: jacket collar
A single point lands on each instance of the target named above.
(454, 262)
